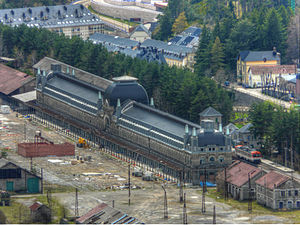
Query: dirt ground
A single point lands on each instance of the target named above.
(110, 177)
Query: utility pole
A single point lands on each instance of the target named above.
(214, 215)
(203, 193)
(184, 210)
(180, 188)
(225, 184)
(165, 203)
(128, 184)
(292, 155)
(250, 192)
(76, 204)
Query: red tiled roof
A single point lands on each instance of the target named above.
(272, 179)
(11, 79)
(238, 173)
(274, 69)
(35, 206)
(92, 212)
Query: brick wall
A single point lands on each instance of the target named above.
(44, 149)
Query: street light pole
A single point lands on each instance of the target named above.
(165, 203)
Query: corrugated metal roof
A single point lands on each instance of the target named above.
(274, 69)
(35, 206)
(11, 79)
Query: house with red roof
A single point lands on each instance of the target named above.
(13, 82)
(40, 213)
(237, 180)
(278, 191)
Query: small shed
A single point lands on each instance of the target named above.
(40, 213)
(16, 179)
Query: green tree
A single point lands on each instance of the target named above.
(180, 24)
(217, 56)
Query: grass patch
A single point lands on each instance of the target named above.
(16, 213)
(116, 19)
(47, 129)
(58, 210)
(257, 210)
(56, 188)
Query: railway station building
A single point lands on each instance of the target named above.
(117, 114)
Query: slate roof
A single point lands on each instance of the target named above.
(102, 83)
(152, 122)
(160, 45)
(231, 126)
(11, 79)
(246, 128)
(238, 173)
(117, 41)
(49, 16)
(211, 138)
(187, 41)
(274, 69)
(210, 111)
(258, 56)
(141, 28)
(272, 180)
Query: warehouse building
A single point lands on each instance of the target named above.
(118, 114)
(16, 179)
(71, 20)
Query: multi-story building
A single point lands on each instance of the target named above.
(246, 59)
(71, 20)
(119, 111)
(175, 55)
(278, 191)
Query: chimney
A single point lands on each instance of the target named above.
(99, 102)
(194, 139)
(186, 135)
(118, 108)
(152, 102)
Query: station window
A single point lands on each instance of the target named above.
(290, 193)
(296, 192)
(282, 193)
(212, 159)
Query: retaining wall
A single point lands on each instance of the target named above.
(45, 149)
(124, 13)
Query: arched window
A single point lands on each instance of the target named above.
(221, 159)
(212, 159)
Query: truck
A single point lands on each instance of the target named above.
(137, 172)
(148, 176)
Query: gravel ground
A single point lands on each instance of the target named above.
(146, 203)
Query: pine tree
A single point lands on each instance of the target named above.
(165, 29)
(217, 56)
(180, 24)
(203, 53)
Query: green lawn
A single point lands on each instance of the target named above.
(257, 210)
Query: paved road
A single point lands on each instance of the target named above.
(257, 93)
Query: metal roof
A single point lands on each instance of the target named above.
(49, 16)
(140, 28)
(11, 79)
(272, 180)
(211, 138)
(26, 97)
(192, 31)
(246, 128)
(102, 83)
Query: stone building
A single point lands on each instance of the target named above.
(237, 178)
(71, 20)
(140, 33)
(102, 110)
(16, 179)
(13, 82)
(211, 114)
(244, 136)
(40, 213)
(278, 191)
